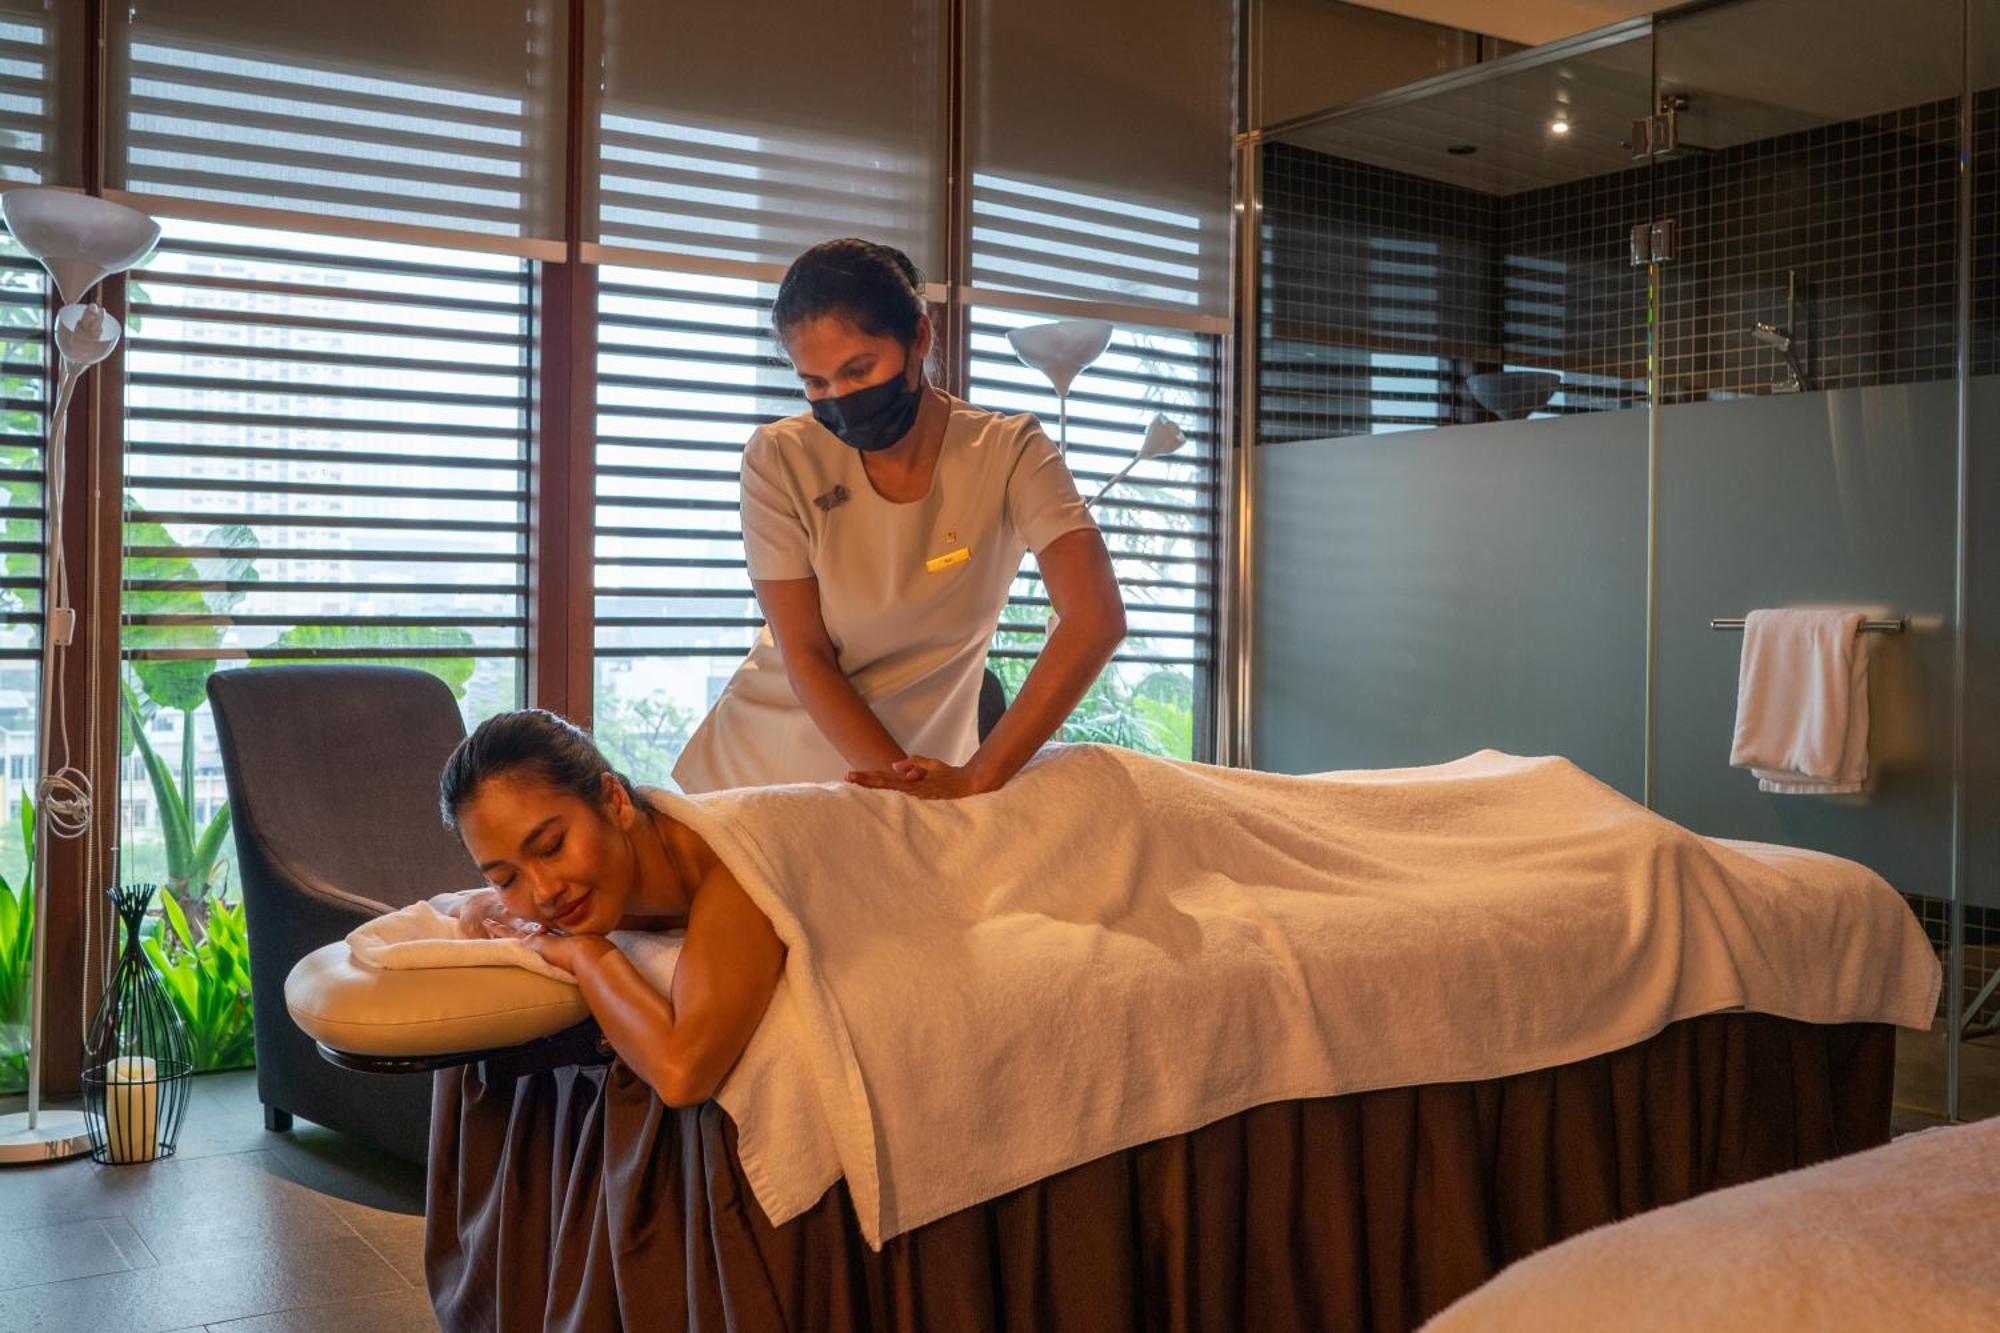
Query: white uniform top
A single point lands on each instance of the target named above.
(910, 593)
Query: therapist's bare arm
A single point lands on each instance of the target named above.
(791, 608)
(1090, 616)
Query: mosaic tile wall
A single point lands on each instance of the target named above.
(1384, 291)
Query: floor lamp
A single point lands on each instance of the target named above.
(80, 240)
(1060, 351)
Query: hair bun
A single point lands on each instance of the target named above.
(875, 287)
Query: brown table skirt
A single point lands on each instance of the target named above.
(576, 1201)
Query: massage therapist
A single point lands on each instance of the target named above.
(883, 529)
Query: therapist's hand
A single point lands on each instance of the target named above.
(925, 778)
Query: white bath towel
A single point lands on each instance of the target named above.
(426, 934)
(1802, 702)
(1899, 1237)
(1114, 949)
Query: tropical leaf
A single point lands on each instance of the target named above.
(178, 683)
(239, 566)
(1172, 726)
(174, 978)
(208, 980)
(17, 931)
(359, 644)
(17, 942)
(208, 847)
(173, 813)
(27, 842)
(177, 920)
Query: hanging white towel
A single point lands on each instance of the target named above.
(1802, 702)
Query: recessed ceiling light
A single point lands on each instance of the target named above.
(1559, 127)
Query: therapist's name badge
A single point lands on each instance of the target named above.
(946, 561)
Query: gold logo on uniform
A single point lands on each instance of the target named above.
(946, 561)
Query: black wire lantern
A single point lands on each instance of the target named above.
(138, 1061)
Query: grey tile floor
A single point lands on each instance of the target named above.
(241, 1231)
(1920, 1078)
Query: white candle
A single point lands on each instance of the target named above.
(131, 1109)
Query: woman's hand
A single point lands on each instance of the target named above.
(478, 908)
(926, 779)
(568, 952)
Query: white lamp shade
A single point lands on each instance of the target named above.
(85, 334)
(1062, 349)
(1163, 437)
(79, 238)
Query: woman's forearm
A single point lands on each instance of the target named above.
(1068, 665)
(842, 715)
(640, 1024)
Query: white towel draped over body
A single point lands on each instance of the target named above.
(1802, 702)
(1113, 949)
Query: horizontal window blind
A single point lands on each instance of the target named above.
(1098, 141)
(23, 430)
(327, 456)
(27, 95)
(1160, 523)
(832, 129)
(286, 108)
(753, 198)
(1057, 242)
(28, 101)
(686, 371)
(23, 427)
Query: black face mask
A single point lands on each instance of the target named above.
(875, 417)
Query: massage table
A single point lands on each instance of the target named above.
(567, 1196)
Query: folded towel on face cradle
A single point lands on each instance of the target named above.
(1113, 949)
(426, 934)
(1802, 702)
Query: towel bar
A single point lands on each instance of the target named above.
(1896, 626)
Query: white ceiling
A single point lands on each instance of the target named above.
(1749, 72)
(1506, 121)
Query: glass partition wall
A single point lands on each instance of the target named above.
(1561, 357)
(1807, 411)
(1452, 334)
(1976, 919)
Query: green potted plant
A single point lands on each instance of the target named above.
(17, 937)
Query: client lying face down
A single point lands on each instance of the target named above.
(572, 851)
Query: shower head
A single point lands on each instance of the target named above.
(1772, 336)
(1781, 339)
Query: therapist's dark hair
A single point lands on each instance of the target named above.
(531, 742)
(873, 287)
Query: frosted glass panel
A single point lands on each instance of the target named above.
(1432, 593)
(1842, 498)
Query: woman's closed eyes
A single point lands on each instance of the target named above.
(552, 849)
